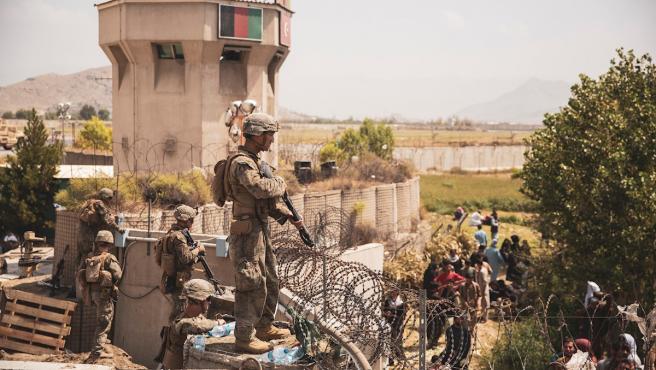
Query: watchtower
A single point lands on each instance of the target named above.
(177, 66)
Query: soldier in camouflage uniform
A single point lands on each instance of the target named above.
(99, 275)
(95, 216)
(255, 198)
(196, 300)
(178, 255)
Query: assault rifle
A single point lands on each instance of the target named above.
(201, 258)
(265, 170)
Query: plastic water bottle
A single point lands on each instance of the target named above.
(294, 355)
(275, 356)
(283, 356)
(223, 330)
(199, 342)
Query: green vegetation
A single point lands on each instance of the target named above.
(103, 114)
(190, 188)
(8, 115)
(444, 193)
(592, 172)
(24, 113)
(523, 346)
(95, 134)
(87, 111)
(371, 137)
(27, 185)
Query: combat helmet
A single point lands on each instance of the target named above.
(105, 236)
(105, 193)
(258, 123)
(184, 213)
(197, 289)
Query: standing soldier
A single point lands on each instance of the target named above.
(176, 254)
(255, 198)
(99, 276)
(95, 216)
(196, 295)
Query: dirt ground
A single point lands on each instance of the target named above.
(120, 359)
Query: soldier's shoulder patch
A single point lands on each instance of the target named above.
(244, 163)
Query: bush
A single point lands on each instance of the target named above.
(79, 190)
(523, 346)
(8, 115)
(351, 143)
(95, 134)
(379, 138)
(24, 114)
(330, 152)
(103, 114)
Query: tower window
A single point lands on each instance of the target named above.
(170, 51)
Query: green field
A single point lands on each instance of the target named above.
(444, 193)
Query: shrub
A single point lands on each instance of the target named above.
(95, 134)
(87, 112)
(379, 138)
(78, 190)
(351, 143)
(103, 114)
(330, 152)
(190, 188)
(523, 346)
(8, 115)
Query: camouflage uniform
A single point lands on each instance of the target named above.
(175, 244)
(103, 296)
(101, 218)
(255, 198)
(176, 335)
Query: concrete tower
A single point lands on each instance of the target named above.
(177, 65)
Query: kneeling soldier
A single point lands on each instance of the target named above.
(195, 296)
(98, 275)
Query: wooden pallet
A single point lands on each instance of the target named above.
(33, 323)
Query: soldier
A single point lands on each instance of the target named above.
(176, 254)
(255, 198)
(95, 216)
(196, 295)
(98, 276)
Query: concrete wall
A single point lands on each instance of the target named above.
(444, 158)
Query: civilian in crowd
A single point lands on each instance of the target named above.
(476, 219)
(429, 278)
(448, 282)
(495, 260)
(455, 260)
(470, 294)
(480, 236)
(482, 277)
(568, 349)
(494, 223)
(584, 345)
(458, 346)
(394, 311)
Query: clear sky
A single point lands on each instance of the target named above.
(418, 59)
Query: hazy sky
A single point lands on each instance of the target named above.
(419, 59)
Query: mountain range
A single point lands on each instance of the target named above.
(526, 104)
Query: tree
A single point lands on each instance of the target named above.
(87, 112)
(103, 114)
(8, 115)
(379, 138)
(27, 185)
(351, 143)
(592, 171)
(95, 134)
(24, 113)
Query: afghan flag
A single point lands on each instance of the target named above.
(240, 23)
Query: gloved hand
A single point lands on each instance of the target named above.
(265, 170)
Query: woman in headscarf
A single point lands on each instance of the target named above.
(589, 294)
(628, 349)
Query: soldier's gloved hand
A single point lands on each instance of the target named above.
(121, 230)
(265, 170)
(201, 250)
(299, 224)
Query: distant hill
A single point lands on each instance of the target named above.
(91, 86)
(526, 104)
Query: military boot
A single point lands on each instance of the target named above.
(270, 332)
(254, 346)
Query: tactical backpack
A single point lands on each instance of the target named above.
(220, 186)
(164, 258)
